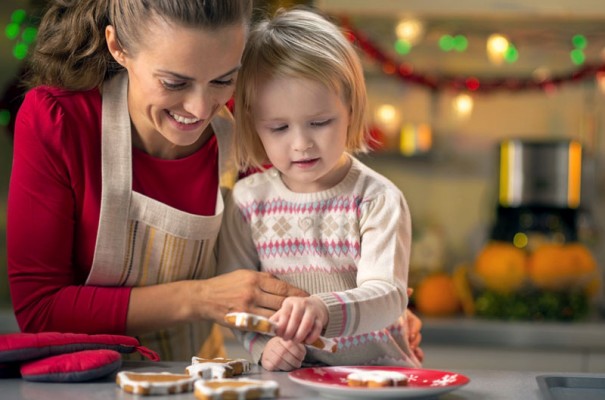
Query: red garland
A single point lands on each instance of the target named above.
(406, 72)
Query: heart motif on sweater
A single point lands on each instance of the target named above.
(305, 223)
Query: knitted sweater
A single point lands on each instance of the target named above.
(348, 245)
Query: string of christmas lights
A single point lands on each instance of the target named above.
(406, 72)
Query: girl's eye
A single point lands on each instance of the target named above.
(171, 85)
(321, 123)
(280, 128)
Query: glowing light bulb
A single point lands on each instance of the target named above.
(497, 45)
(387, 118)
(463, 105)
(410, 30)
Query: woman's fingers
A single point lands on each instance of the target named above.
(269, 284)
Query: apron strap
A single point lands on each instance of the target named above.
(116, 170)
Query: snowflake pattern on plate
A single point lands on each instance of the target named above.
(332, 382)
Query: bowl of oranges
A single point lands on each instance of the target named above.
(551, 281)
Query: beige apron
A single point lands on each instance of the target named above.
(143, 242)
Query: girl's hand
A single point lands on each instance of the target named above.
(282, 355)
(301, 319)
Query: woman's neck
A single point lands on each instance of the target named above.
(163, 149)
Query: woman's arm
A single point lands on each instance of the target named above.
(43, 207)
(154, 307)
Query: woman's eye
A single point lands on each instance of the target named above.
(227, 82)
(171, 85)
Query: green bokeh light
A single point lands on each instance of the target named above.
(520, 240)
(460, 43)
(20, 51)
(18, 16)
(511, 54)
(402, 47)
(446, 43)
(5, 117)
(12, 31)
(577, 56)
(29, 34)
(579, 41)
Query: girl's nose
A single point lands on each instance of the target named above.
(302, 142)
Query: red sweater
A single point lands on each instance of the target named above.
(54, 205)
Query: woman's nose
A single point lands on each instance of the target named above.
(200, 104)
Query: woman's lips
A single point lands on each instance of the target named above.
(184, 123)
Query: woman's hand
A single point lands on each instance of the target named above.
(414, 325)
(243, 291)
(282, 355)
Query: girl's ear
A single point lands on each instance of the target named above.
(114, 46)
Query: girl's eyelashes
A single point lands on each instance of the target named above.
(316, 124)
(280, 128)
(322, 123)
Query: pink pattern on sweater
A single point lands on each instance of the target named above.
(298, 247)
(280, 206)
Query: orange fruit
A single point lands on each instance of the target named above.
(551, 267)
(436, 296)
(463, 289)
(593, 287)
(501, 267)
(581, 259)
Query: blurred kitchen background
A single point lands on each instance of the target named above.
(490, 117)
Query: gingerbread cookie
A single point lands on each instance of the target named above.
(219, 389)
(257, 323)
(250, 322)
(212, 368)
(149, 383)
(377, 379)
(322, 343)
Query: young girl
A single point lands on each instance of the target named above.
(318, 219)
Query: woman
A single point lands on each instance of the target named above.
(120, 153)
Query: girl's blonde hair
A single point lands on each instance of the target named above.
(303, 44)
(71, 51)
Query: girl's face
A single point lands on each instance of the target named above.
(303, 127)
(178, 80)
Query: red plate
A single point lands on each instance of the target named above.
(332, 382)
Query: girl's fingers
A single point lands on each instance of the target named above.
(315, 333)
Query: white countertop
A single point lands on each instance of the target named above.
(493, 385)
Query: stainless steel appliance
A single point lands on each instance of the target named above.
(539, 190)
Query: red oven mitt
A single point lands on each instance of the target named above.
(65, 357)
(80, 366)
(30, 346)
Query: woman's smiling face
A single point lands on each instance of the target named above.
(178, 80)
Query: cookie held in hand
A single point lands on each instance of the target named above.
(250, 322)
(256, 323)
